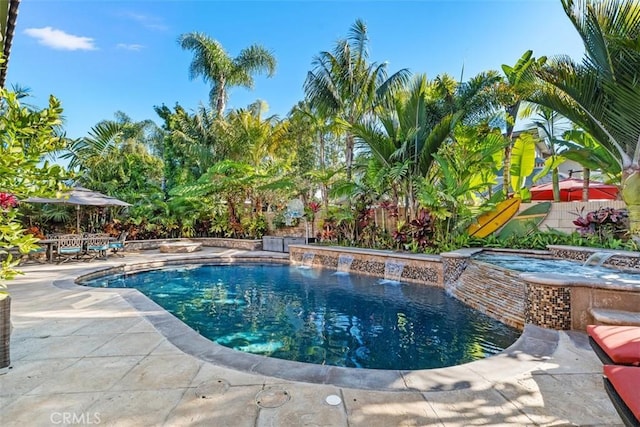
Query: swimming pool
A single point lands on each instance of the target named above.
(316, 316)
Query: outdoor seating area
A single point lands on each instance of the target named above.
(81, 247)
(618, 347)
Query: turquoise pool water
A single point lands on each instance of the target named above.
(320, 317)
(565, 267)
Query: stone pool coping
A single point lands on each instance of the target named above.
(533, 347)
(87, 351)
(557, 279)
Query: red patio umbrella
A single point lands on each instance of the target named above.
(571, 191)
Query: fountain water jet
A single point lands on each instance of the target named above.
(393, 271)
(344, 263)
(599, 258)
(307, 259)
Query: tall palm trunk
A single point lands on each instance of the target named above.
(322, 150)
(220, 98)
(512, 113)
(631, 196)
(555, 180)
(350, 143)
(586, 176)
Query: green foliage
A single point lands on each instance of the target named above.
(600, 94)
(221, 226)
(541, 239)
(581, 147)
(256, 227)
(26, 136)
(346, 85)
(523, 161)
(460, 175)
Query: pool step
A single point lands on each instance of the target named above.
(607, 316)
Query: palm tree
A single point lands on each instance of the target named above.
(109, 134)
(8, 16)
(515, 90)
(549, 125)
(601, 94)
(216, 67)
(345, 85)
(404, 136)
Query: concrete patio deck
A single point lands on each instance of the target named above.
(85, 356)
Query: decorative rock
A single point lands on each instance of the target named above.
(180, 247)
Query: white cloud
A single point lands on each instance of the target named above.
(148, 21)
(58, 39)
(134, 47)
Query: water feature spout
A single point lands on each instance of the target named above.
(598, 258)
(307, 259)
(393, 270)
(344, 263)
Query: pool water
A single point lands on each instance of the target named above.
(320, 317)
(567, 268)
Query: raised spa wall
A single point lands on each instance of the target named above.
(546, 300)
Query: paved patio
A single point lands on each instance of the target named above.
(85, 356)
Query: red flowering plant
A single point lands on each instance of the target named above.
(418, 234)
(311, 210)
(422, 229)
(8, 201)
(604, 222)
(401, 235)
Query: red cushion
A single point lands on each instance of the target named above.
(621, 343)
(626, 381)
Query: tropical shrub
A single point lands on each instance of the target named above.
(26, 135)
(256, 227)
(604, 223)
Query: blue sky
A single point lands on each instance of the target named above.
(99, 57)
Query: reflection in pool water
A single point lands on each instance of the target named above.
(316, 316)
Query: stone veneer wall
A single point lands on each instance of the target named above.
(249, 245)
(417, 268)
(494, 291)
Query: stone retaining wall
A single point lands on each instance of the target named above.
(244, 244)
(547, 300)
